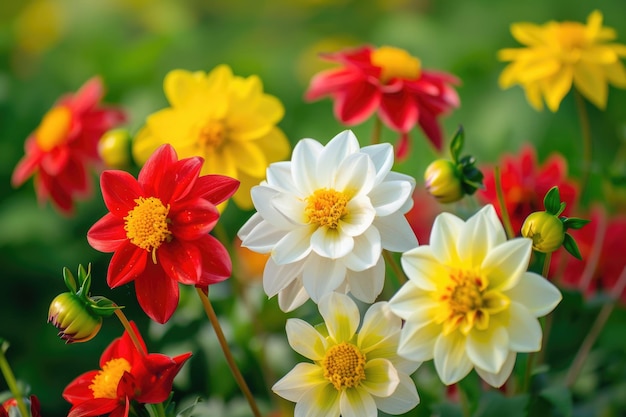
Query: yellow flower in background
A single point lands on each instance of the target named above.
(226, 119)
(561, 54)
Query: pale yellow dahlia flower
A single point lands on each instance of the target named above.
(470, 301)
(559, 54)
(226, 119)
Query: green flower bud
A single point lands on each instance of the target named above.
(443, 181)
(74, 318)
(114, 148)
(546, 231)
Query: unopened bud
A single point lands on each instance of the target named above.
(74, 318)
(443, 181)
(546, 231)
(114, 148)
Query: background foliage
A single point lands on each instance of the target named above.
(49, 47)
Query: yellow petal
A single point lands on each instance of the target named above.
(180, 85)
(619, 49)
(275, 145)
(594, 24)
(527, 33)
(555, 88)
(533, 95)
(144, 144)
(242, 197)
(590, 80)
(599, 54)
(248, 157)
(219, 162)
(616, 74)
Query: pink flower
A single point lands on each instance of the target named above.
(391, 82)
(60, 150)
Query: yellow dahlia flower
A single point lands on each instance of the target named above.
(559, 54)
(226, 119)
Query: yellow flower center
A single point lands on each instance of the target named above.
(104, 384)
(572, 39)
(467, 303)
(54, 128)
(344, 366)
(212, 135)
(396, 63)
(147, 225)
(325, 207)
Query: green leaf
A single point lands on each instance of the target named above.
(570, 245)
(574, 222)
(102, 306)
(187, 411)
(494, 404)
(456, 146)
(447, 410)
(70, 281)
(552, 201)
(560, 397)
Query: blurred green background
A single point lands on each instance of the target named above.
(50, 47)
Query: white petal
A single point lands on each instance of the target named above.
(304, 164)
(355, 175)
(488, 348)
(302, 378)
(304, 339)
(423, 267)
(292, 296)
(379, 323)
(475, 240)
(359, 218)
(396, 232)
(366, 251)
(524, 329)
(403, 399)
(496, 229)
(320, 401)
(413, 304)
(331, 243)
(451, 361)
(335, 151)
(367, 285)
(291, 208)
(382, 157)
(341, 316)
(279, 177)
(397, 176)
(262, 197)
(321, 276)
(357, 403)
(294, 246)
(496, 380)
(276, 277)
(381, 377)
(445, 232)
(535, 293)
(249, 225)
(263, 237)
(389, 196)
(417, 343)
(506, 263)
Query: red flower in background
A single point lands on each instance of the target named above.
(60, 149)
(390, 81)
(158, 228)
(125, 375)
(602, 246)
(525, 184)
(11, 403)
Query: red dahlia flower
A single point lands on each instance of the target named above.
(525, 184)
(60, 149)
(11, 403)
(125, 375)
(392, 82)
(158, 228)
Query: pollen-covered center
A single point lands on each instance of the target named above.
(147, 225)
(325, 207)
(344, 366)
(466, 295)
(104, 384)
(212, 135)
(54, 128)
(396, 63)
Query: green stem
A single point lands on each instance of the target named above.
(131, 332)
(596, 329)
(210, 312)
(378, 124)
(506, 220)
(395, 267)
(586, 134)
(12, 382)
(464, 399)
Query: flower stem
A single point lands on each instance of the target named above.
(11, 381)
(395, 267)
(378, 124)
(210, 312)
(506, 220)
(131, 332)
(586, 134)
(596, 329)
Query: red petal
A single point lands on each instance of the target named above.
(127, 263)
(119, 191)
(356, 102)
(181, 261)
(55, 161)
(94, 407)
(78, 390)
(88, 96)
(216, 262)
(107, 234)
(156, 166)
(157, 293)
(215, 188)
(29, 164)
(195, 221)
(179, 179)
(402, 148)
(398, 111)
(47, 187)
(161, 369)
(429, 125)
(330, 81)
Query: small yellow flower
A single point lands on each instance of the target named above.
(559, 54)
(443, 181)
(226, 119)
(546, 231)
